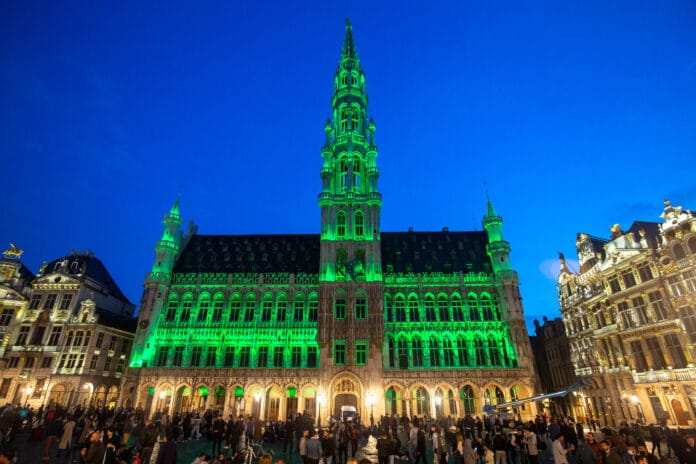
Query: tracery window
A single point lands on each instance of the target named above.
(298, 308)
(249, 308)
(399, 308)
(281, 308)
(203, 306)
(463, 351)
(359, 222)
(493, 351)
(186, 306)
(235, 307)
(456, 303)
(472, 302)
(267, 308)
(413, 310)
(448, 351)
(434, 352)
(417, 351)
(218, 304)
(429, 308)
(443, 308)
(479, 351)
(486, 307)
(341, 224)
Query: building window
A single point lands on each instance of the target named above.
(229, 356)
(245, 356)
(657, 305)
(100, 340)
(644, 272)
(107, 362)
(417, 352)
(203, 307)
(656, 354)
(443, 308)
(170, 315)
(359, 218)
(88, 336)
(360, 353)
(434, 352)
(676, 286)
(462, 352)
(457, 314)
(340, 224)
(65, 302)
(340, 307)
(614, 285)
(119, 366)
(486, 307)
(472, 302)
(186, 310)
(625, 314)
(312, 356)
(262, 359)
(296, 356)
(688, 316)
(339, 352)
(160, 357)
(6, 317)
(278, 356)
(13, 362)
(312, 309)
(5, 387)
(210, 357)
(29, 363)
(448, 352)
(399, 308)
(298, 304)
(675, 350)
(50, 302)
(360, 306)
(639, 356)
(479, 351)
(429, 308)
(23, 335)
(93, 361)
(628, 278)
(493, 351)
(34, 303)
(690, 281)
(235, 308)
(282, 308)
(402, 353)
(79, 335)
(177, 358)
(112, 343)
(196, 355)
(217, 309)
(46, 362)
(413, 310)
(249, 308)
(267, 308)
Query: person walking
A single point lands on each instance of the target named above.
(65, 443)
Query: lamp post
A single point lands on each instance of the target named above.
(320, 401)
(29, 391)
(371, 403)
(438, 404)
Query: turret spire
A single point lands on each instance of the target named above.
(349, 54)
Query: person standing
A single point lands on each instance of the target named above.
(530, 446)
(94, 454)
(314, 449)
(168, 453)
(65, 443)
(560, 451)
(609, 455)
(302, 444)
(586, 455)
(500, 446)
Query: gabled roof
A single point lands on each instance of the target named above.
(652, 231)
(117, 321)
(402, 252)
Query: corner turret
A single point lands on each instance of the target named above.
(168, 246)
(497, 248)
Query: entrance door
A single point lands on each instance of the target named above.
(273, 409)
(291, 408)
(344, 399)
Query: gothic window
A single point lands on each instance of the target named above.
(235, 307)
(486, 307)
(499, 397)
(462, 352)
(282, 308)
(391, 352)
(357, 179)
(360, 305)
(413, 310)
(443, 308)
(493, 351)
(360, 353)
(399, 308)
(388, 307)
(312, 308)
(675, 350)
(340, 306)
(196, 355)
(177, 358)
(429, 308)
(218, 304)
(656, 353)
(417, 351)
(186, 306)
(229, 356)
(341, 224)
(298, 309)
(468, 400)
(402, 350)
(210, 357)
(296, 356)
(479, 351)
(448, 351)
(312, 356)
(249, 307)
(160, 356)
(278, 356)
(472, 302)
(245, 356)
(422, 401)
(434, 352)
(203, 307)
(341, 258)
(267, 307)
(343, 120)
(172, 304)
(339, 352)
(262, 357)
(495, 308)
(359, 224)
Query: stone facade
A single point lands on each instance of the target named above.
(630, 317)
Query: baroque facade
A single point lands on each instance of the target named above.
(630, 317)
(410, 322)
(65, 333)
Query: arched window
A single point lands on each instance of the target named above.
(679, 252)
(422, 401)
(463, 352)
(282, 307)
(443, 308)
(472, 302)
(692, 245)
(249, 307)
(402, 347)
(340, 305)
(429, 308)
(267, 307)
(343, 119)
(448, 351)
(389, 316)
(391, 400)
(341, 258)
(468, 399)
(312, 308)
(235, 307)
(417, 350)
(456, 303)
(493, 351)
(359, 224)
(413, 311)
(479, 351)
(355, 116)
(399, 308)
(172, 305)
(203, 307)
(499, 397)
(218, 304)
(486, 308)
(452, 403)
(357, 175)
(434, 346)
(391, 352)
(186, 306)
(341, 224)
(298, 304)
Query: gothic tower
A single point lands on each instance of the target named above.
(350, 259)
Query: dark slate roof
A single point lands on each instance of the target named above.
(402, 252)
(652, 231)
(79, 265)
(25, 273)
(117, 321)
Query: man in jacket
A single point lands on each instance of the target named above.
(168, 452)
(94, 454)
(609, 454)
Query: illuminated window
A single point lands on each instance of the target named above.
(468, 400)
(448, 352)
(218, 304)
(472, 302)
(402, 350)
(486, 307)
(391, 352)
(262, 358)
(341, 224)
(278, 356)
(359, 223)
(640, 310)
(160, 357)
(229, 356)
(675, 350)
(360, 353)
(422, 401)
(429, 308)
(658, 306)
(298, 308)
(434, 352)
(47, 362)
(656, 353)
(644, 272)
(690, 281)
(203, 307)
(457, 314)
(388, 307)
(35, 300)
(23, 335)
(312, 356)
(244, 356)
(399, 308)
(462, 352)
(413, 310)
(177, 358)
(340, 307)
(249, 308)
(210, 358)
(443, 308)
(196, 355)
(65, 302)
(625, 314)
(339, 352)
(172, 305)
(281, 308)
(312, 308)
(235, 307)
(360, 306)
(628, 278)
(417, 351)
(50, 302)
(186, 306)
(78, 338)
(493, 351)
(614, 284)
(54, 337)
(479, 351)
(296, 356)
(267, 308)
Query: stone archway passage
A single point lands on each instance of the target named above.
(344, 399)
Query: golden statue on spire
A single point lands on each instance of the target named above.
(13, 252)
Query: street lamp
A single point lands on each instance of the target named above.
(29, 391)
(438, 404)
(371, 403)
(320, 400)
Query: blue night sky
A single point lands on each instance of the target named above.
(578, 115)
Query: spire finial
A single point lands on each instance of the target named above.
(348, 25)
(491, 211)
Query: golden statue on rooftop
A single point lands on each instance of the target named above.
(13, 252)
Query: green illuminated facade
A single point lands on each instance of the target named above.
(397, 322)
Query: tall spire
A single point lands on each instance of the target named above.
(349, 54)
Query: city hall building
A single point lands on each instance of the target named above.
(411, 323)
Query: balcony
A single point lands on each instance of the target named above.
(665, 375)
